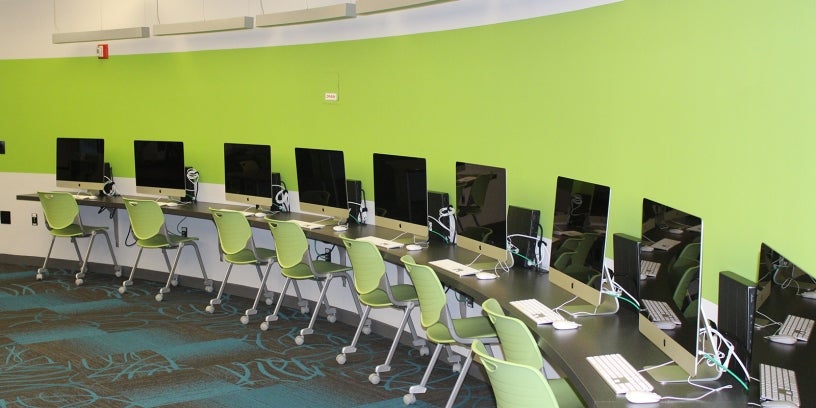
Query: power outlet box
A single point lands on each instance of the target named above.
(5, 217)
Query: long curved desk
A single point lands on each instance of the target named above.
(567, 350)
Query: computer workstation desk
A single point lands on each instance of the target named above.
(566, 349)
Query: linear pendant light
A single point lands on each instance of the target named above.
(223, 24)
(309, 15)
(101, 35)
(377, 6)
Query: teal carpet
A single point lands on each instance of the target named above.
(90, 346)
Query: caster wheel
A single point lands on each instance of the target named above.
(264, 326)
(341, 359)
(244, 319)
(374, 378)
(210, 309)
(331, 318)
(269, 301)
(208, 289)
(39, 276)
(118, 274)
(159, 297)
(79, 281)
(457, 367)
(424, 351)
(174, 282)
(409, 399)
(366, 330)
(299, 340)
(122, 289)
(304, 309)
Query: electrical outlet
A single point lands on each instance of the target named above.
(469, 302)
(34, 219)
(183, 231)
(5, 217)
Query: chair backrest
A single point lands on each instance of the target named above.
(368, 265)
(515, 385)
(146, 217)
(234, 232)
(517, 344)
(429, 290)
(60, 208)
(290, 242)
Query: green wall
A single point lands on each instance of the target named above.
(704, 105)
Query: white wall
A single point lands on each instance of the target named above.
(27, 25)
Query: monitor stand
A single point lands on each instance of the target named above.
(704, 370)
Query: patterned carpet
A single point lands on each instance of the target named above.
(90, 346)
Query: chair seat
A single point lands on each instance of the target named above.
(74, 230)
(326, 268)
(245, 256)
(378, 298)
(477, 327)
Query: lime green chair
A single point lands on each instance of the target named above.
(147, 223)
(296, 265)
(515, 386)
(63, 221)
(376, 292)
(441, 328)
(238, 248)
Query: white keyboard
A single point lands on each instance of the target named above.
(660, 311)
(380, 242)
(778, 384)
(796, 326)
(84, 197)
(308, 225)
(649, 268)
(619, 374)
(454, 267)
(539, 312)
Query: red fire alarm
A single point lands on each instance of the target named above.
(102, 51)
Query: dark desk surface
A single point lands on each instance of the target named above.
(567, 350)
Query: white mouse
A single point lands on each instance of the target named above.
(340, 228)
(809, 295)
(642, 397)
(486, 275)
(643, 276)
(413, 247)
(564, 324)
(664, 324)
(646, 249)
(675, 231)
(778, 404)
(782, 339)
(260, 214)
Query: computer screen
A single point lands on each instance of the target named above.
(524, 236)
(160, 168)
(321, 176)
(481, 209)
(673, 239)
(248, 174)
(81, 163)
(401, 193)
(576, 261)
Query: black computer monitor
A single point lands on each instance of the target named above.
(578, 245)
(321, 176)
(481, 209)
(524, 236)
(81, 163)
(248, 174)
(401, 193)
(735, 318)
(160, 168)
(673, 238)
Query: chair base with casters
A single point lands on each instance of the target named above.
(269, 296)
(324, 273)
(172, 279)
(63, 220)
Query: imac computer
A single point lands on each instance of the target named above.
(673, 239)
(160, 168)
(401, 194)
(81, 164)
(481, 211)
(321, 176)
(248, 174)
(577, 254)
